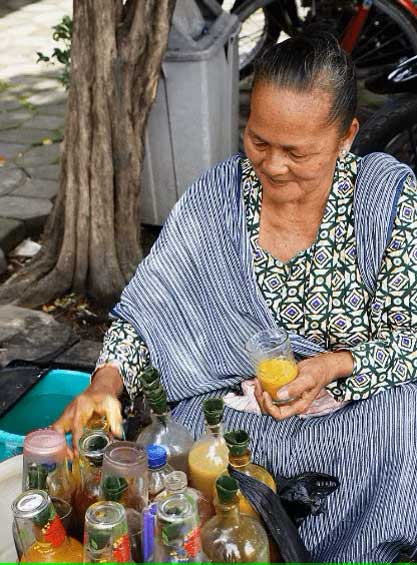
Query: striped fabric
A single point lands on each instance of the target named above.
(370, 446)
(195, 302)
(378, 188)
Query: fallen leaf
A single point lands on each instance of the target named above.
(2, 160)
(47, 141)
(48, 308)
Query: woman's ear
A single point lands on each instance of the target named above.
(349, 137)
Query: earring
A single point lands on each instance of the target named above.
(343, 152)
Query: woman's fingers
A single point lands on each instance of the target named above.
(304, 382)
(298, 406)
(113, 413)
(259, 395)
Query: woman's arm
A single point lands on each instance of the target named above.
(390, 357)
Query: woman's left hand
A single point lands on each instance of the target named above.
(314, 374)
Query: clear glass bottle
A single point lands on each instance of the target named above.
(106, 534)
(209, 456)
(45, 464)
(158, 469)
(240, 458)
(91, 447)
(177, 538)
(163, 430)
(177, 483)
(41, 534)
(125, 480)
(232, 537)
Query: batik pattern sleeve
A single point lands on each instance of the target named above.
(125, 349)
(390, 359)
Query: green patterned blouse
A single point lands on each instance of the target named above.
(319, 293)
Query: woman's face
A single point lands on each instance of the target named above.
(290, 143)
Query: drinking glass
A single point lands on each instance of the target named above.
(273, 360)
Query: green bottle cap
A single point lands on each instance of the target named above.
(227, 488)
(149, 378)
(213, 410)
(237, 442)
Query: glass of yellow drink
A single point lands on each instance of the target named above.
(271, 355)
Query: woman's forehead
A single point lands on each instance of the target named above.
(274, 108)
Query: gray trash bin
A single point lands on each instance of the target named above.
(194, 121)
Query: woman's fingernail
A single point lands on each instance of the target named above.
(282, 394)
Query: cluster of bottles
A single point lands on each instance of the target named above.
(124, 501)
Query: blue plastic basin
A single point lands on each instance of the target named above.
(39, 408)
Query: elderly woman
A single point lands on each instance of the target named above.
(302, 234)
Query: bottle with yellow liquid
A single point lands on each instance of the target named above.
(273, 360)
(240, 459)
(209, 456)
(41, 534)
(230, 536)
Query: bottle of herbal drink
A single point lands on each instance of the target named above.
(232, 537)
(91, 449)
(177, 538)
(163, 430)
(41, 534)
(45, 464)
(209, 456)
(158, 469)
(177, 483)
(106, 534)
(125, 480)
(240, 459)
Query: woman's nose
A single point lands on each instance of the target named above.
(275, 165)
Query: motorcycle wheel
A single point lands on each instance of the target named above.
(392, 129)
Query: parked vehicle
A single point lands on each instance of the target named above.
(393, 128)
(378, 33)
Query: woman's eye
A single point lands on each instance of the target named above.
(296, 156)
(259, 144)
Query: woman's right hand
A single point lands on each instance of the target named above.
(101, 397)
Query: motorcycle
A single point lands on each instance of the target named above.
(378, 33)
(393, 128)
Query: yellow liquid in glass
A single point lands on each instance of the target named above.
(275, 373)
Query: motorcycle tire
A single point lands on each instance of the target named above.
(393, 130)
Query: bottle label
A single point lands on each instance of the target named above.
(192, 542)
(121, 549)
(54, 531)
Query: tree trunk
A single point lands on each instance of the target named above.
(92, 238)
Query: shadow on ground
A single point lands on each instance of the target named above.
(9, 6)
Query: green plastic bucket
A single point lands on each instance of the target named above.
(39, 408)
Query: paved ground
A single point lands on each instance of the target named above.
(32, 112)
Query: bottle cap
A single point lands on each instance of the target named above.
(237, 442)
(149, 378)
(213, 410)
(227, 488)
(45, 446)
(175, 481)
(157, 456)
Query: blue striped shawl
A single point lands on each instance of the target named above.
(195, 300)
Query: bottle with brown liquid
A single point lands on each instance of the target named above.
(163, 430)
(232, 537)
(40, 531)
(209, 456)
(91, 449)
(240, 459)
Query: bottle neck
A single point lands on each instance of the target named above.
(215, 430)
(163, 419)
(228, 513)
(240, 461)
(90, 471)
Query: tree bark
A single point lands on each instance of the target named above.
(92, 238)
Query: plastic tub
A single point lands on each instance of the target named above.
(10, 487)
(39, 408)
